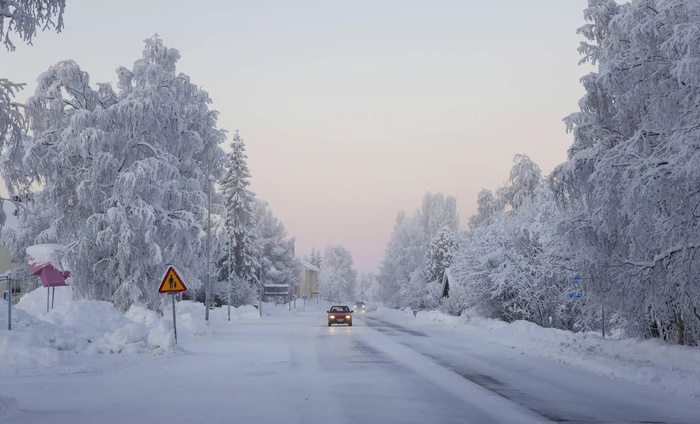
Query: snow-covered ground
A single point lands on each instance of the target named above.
(76, 328)
(290, 367)
(672, 368)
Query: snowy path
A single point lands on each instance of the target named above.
(297, 370)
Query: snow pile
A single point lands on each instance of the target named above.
(673, 368)
(41, 254)
(390, 314)
(7, 405)
(96, 327)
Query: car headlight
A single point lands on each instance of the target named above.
(348, 316)
(332, 316)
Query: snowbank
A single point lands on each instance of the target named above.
(673, 368)
(95, 327)
(7, 405)
(41, 254)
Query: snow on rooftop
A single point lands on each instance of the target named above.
(308, 265)
(41, 254)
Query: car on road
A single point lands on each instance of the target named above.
(359, 306)
(339, 314)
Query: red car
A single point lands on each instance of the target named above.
(340, 315)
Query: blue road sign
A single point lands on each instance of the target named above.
(575, 287)
(304, 297)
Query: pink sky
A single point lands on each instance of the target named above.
(352, 111)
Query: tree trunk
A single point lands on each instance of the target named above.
(680, 329)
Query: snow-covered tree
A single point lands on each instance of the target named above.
(338, 279)
(437, 211)
(23, 17)
(404, 254)
(315, 258)
(402, 279)
(278, 264)
(631, 180)
(366, 281)
(487, 209)
(239, 265)
(525, 177)
(509, 264)
(123, 174)
(11, 119)
(439, 255)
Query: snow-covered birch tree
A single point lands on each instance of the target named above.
(337, 280)
(633, 170)
(123, 174)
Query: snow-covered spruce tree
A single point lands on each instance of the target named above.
(123, 175)
(277, 262)
(337, 280)
(239, 239)
(633, 169)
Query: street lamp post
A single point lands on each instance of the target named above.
(230, 267)
(207, 287)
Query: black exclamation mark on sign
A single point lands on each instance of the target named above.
(172, 283)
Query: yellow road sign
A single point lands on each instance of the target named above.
(172, 283)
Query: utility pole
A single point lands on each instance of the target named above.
(228, 286)
(207, 287)
(262, 288)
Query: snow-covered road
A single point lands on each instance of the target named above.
(294, 369)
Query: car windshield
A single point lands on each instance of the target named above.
(340, 309)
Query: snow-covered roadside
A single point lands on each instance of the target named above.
(672, 368)
(95, 327)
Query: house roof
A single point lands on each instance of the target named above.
(308, 265)
(446, 277)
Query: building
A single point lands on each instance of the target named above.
(6, 264)
(446, 278)
(308, 285)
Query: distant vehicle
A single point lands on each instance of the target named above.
(359, 306)
(339, 315)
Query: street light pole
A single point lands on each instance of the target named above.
(207, 287)
(228, 286)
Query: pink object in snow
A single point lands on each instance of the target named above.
(39, 264)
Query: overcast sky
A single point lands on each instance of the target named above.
(351, 111)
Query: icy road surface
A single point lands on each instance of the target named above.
(295, 369)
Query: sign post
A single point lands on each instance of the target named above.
(304, 300)
(9, 300)
(172, 284)
(9, 305)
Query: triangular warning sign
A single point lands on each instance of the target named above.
(172, 283)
